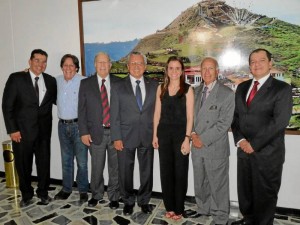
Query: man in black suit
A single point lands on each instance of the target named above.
(94, 128)
(27, 109)
(263, 108)
(132, 109)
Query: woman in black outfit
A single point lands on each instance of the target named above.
(173, 118)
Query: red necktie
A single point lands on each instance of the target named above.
(105, 105)
(252, 93)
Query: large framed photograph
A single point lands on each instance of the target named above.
(227, 30)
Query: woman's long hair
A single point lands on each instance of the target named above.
(165, 84)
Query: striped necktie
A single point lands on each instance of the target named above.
(105, 105)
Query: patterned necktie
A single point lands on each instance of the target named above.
(105, 105)
(204, 92)
(36, 87)
(138, 95)
(252, 93)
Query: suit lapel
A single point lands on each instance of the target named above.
(261, 92)
(31, 87)
(212, 96)
(147, 89)
(198, 97)
(95, 87)
(129, 90)
(245, 91)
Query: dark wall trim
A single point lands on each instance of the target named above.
(82, 55)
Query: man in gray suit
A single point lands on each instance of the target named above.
(214, 107)
(132, 109)
(94, 129)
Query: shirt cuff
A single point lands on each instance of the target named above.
(238, 143)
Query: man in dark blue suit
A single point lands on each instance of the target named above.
(132, 110)
(263, 107)
(27, 109)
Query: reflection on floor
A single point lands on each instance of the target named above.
(71, 212)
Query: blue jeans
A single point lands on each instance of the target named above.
(71, 147)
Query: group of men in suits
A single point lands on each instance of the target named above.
(258, 115)
(116, 116)
(126, 127)
(123, 124)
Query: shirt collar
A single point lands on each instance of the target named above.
(133, 79)
(33, 75)
(210, 86)
(107, 79)
(262, 80)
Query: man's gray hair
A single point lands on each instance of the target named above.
(137, 53)
(210, 58)
(101, 53)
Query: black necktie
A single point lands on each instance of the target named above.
(36, 87)
(138, 95)
(204, 92)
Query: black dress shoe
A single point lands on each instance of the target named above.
(62, 195)
(197, 215)
(44, 200)
(221, 223)
(147, 209)
(25, 202)
(92, 202)
(83, 198)
(128, 210)
(114, 204)
(242, 222)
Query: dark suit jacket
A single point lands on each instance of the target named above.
(127, 122)
(263, 123)
(90, 109)
(21, 109)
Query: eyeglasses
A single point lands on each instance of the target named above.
(102, 62)
(137, 63)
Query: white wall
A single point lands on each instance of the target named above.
(25, 25)
(53, 26)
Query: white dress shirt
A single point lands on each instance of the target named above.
(142, 86)
(41, 85)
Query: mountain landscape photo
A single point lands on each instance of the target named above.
(214, 28)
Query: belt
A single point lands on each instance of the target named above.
(106, 128)
(69, 121)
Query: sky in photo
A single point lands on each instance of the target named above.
(124, 20)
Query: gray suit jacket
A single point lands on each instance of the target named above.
(127, 122)
(213, 119)
(90, 108)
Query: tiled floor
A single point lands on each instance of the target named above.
(72, 213)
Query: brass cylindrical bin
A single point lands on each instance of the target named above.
(11, 176)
